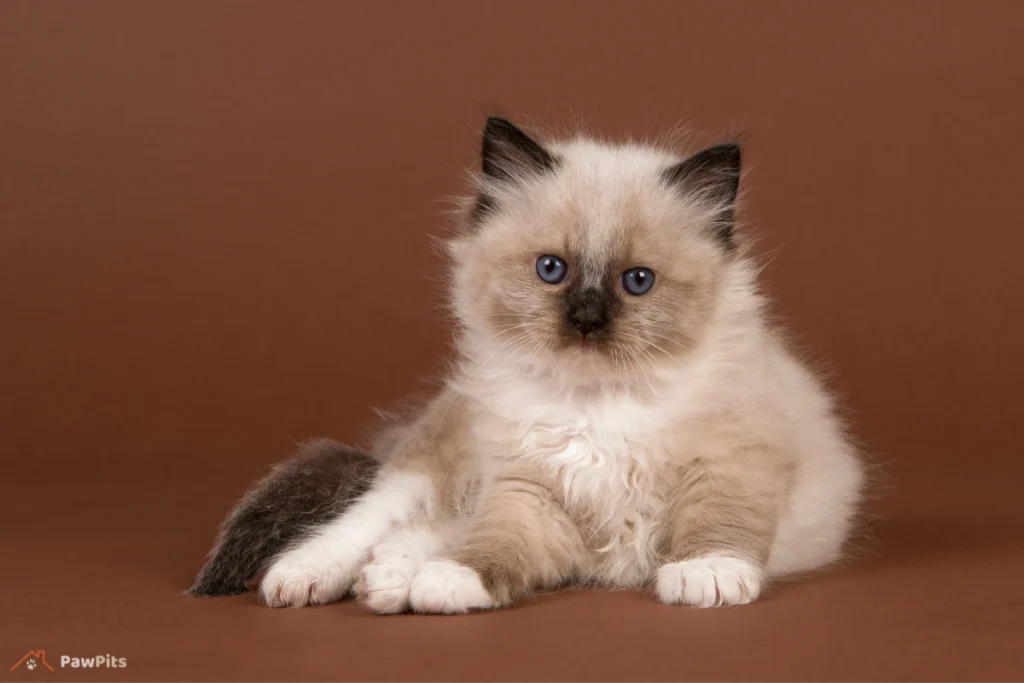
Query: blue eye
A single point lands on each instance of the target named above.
(637, 281)
(551, 269)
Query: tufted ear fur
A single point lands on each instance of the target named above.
(508, 152)
(713, 176)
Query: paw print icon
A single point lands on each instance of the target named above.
(32, 660)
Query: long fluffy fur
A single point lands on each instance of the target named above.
(683, 448)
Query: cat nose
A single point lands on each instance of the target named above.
(587, 312)
(587, 322)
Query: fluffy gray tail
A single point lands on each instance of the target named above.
(298, 495)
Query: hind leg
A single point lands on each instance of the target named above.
(322, 568)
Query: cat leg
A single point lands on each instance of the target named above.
(384, 583)
(321, 568)
(520, 540)
(722, 522)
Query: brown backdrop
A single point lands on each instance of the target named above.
(214, 241)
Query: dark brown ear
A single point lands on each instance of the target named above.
(509, 152)
(714, 176)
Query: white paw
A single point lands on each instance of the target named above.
(710, 581)
(445, 587)
(299, 578)
(384, 583)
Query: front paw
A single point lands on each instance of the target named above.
(710, 581)
(446, 587)
(298, 579)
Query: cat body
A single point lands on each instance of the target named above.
(620, 412)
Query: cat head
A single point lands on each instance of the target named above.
(591, 261)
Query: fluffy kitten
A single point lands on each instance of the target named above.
(620, 412)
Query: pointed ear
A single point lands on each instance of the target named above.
(712, 176)
(509, 152)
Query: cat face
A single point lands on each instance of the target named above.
(589, 261)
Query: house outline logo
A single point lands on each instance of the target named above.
(32, 659)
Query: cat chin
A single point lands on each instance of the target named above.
(576, 366)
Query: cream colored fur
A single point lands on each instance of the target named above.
(695, 456)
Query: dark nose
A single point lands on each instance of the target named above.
(587, 311)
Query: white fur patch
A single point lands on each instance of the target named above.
(304, 578)
(444, 587)
(599, 455)
(709, 581)
(384, 583)
(322, 568)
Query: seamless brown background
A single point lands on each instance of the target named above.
(214, 241)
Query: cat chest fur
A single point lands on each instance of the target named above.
(605, 466)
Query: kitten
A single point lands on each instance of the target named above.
(620, 412)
